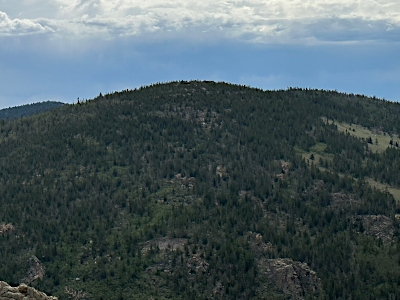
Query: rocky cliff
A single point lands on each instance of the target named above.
(21, 292)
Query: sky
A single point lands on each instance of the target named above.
(61, 50)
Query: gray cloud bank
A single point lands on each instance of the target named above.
(273, 21)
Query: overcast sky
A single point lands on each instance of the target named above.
(65, 49)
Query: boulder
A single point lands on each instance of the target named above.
(21, 292)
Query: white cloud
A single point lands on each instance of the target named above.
(255, 20)
(20, 26)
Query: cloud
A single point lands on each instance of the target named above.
(20, 26)
(275, 21)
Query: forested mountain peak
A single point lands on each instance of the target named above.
(200, 190)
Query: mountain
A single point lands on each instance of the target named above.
(28, 109)
(204, 190)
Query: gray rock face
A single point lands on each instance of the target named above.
(6, 228)
(377, 226)
(294, 278)
(36, 271)
(21, 292)
(283, 278)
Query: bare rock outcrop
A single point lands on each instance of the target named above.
(287, 278)
(165, 244)
(340, 200)
(378, 226)
(187, 182)
(285, 169)
(6, 228)
(293, 278)
(196, 264)
(36, 271)
(21, 292)
(221, 172)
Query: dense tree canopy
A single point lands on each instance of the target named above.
(186, 190)
(28, 110)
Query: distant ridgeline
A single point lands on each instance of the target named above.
(28, 110)
(203, 190)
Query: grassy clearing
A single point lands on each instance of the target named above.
(385, 187)
(380, 186)
(316, 154)
(380, 140)
(319, 148)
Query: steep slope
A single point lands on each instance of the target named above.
(199, 190)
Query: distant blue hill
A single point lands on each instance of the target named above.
(28, 109)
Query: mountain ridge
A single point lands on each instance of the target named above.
(28, 109)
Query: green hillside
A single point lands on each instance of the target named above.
(28, 110)
(203, 190)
